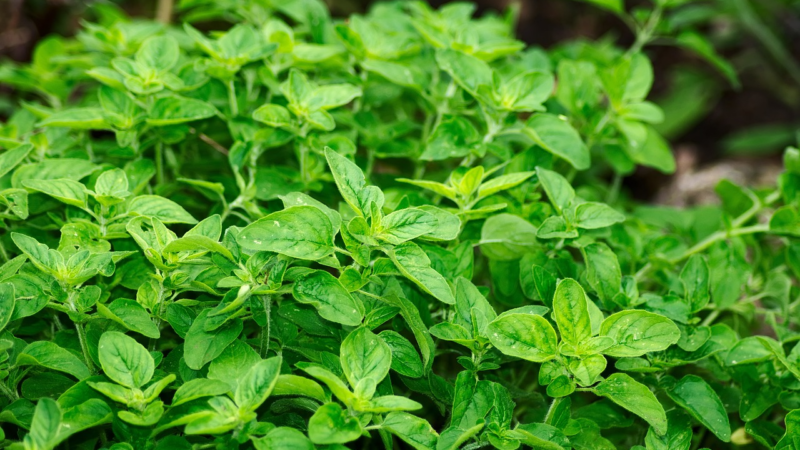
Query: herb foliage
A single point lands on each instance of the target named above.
(392, 231)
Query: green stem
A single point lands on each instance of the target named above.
(265, 331)
(8, 392)
(160, 162)
(302, 152)
(645, 35)
(232, 99)
(342, 251)
(84, 346)
(706, 243)
(370, 164)
(613, 193)
(3, 252)
(710, 318)
(719, 236)
(164, 11)
(737, 230)
(159, 309)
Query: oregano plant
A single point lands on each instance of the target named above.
(268, 228)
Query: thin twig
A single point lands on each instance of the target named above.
(216, 145)
(164, 11)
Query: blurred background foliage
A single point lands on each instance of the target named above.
(727, 72)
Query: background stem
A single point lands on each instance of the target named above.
(164, 11)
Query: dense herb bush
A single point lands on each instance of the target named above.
(402, 230)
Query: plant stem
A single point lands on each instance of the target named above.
(160, 162)
(706, 243)
(710, 318)
(8, 392)
(737, 230)
(3, 252)
(645, 35)
(370, 164)
(232, 99)
(164, 11)
(84, 346)
(613, 193)
(716, 237)
(265, 331)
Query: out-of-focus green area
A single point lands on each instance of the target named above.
(727, 71)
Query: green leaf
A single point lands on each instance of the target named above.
(176, 110)
(65, 190)
(473, 311)
(49, 355)
(11, 158)
(40, 255)
(405, 359)
(329, 297)
(438, 188)
(602, 271)
(158, 53)
(453, 137)
(526, 91)
(330, 424)
(591, 215)
(414, 431)
(540, 436)
(571, 312)
(296, 385)
(131, 315)
(203, 346)
(412, 262)
(45, 426)
(283, 437)
(397, 73)
(526, 336)
(257, 384)
(694, 395)
(331, 96)
(197, 243)
(653, 152)
(124, 360)
(7, 301)
(199, 388)
(78, 118)
(274, 116)
(160, 208)
(349, 179)
(785, 220)
(558, 189)
(365, 355)
(638, 332)
(111, 187)
(555, 227)
(333, 382)
(406, 224)
(700, 45)
(636, 398)
(506, 237)
(559, 138)
(678, 437)
(302, 232)
(448, 225)
(695, 279)
(231, 365)
(468, 71)
(587, 370)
